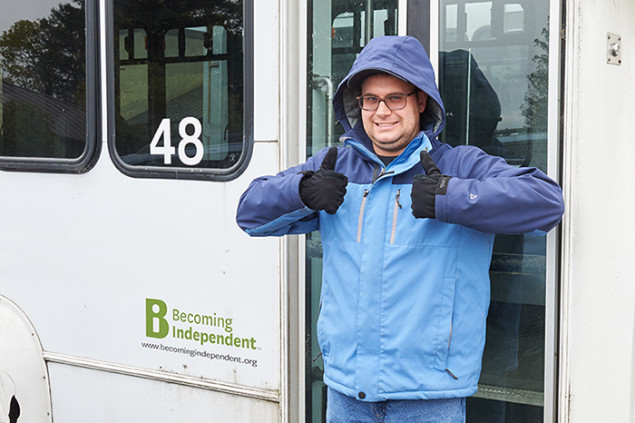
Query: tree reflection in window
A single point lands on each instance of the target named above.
(43, 89)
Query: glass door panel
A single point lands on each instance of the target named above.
(338, 30)
(493, 77)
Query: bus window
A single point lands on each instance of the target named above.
(43, 89)
(180, 108)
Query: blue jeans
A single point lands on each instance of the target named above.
(344, 409)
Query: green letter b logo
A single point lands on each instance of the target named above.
(156, 324)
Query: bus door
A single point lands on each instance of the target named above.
(495, 68)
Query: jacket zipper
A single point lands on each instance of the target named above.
(378, 173)
(360, 220)
(394, 217)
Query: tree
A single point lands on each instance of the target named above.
(535, 107)
(48, 55)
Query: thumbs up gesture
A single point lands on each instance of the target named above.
(324, 189)
(425, 188)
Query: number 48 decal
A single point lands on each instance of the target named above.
(167, 150)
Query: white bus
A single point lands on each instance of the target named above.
(129, 129)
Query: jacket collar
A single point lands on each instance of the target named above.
(408, 158)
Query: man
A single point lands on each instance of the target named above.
(407, 226)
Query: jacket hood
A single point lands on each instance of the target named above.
(402, 57)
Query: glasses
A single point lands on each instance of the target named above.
(370, 103)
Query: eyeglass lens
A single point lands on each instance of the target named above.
(393, 101)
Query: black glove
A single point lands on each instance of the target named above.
(426, 187)
(324, 189)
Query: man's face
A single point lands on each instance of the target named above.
(392, 130)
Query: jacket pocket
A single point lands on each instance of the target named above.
(446, 313)
(321, 338)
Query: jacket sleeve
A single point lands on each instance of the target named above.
(492, 196)
(271, 205)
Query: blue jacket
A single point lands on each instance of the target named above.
(404, 300)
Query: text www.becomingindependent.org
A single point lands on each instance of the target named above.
(199, 353)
